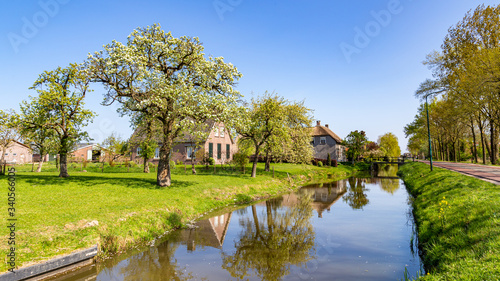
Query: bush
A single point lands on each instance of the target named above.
(172, 164)
(132, 164)
(179, 162)
(334, 163)
(211, 161)
(240, 160)
(320, 164)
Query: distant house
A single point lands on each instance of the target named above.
(219, 145)
(18, 153)
(85, 151)
(327, 142)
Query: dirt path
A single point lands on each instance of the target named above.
(487, 173)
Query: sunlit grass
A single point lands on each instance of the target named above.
(458, 219)
(57, 216)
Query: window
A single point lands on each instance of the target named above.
(15, 154)
(219, 151)
(228, 152)
(190, 152)
(312, 141)
(6, 154)
(157, 152)
(216, 131)
(138, 150)
(221, 132)
(210, 150)
(322, 140)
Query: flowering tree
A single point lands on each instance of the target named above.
(170, 80)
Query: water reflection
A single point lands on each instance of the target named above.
(273, 240)
(310, 234)
(356, 196)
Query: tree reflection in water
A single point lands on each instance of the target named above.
(158, 263)
(356, 196)
(389, 185)
(270, 243)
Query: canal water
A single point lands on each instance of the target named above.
(353, 229)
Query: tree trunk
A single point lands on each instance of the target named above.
(2, 162)
(163, 177)
(481, 130)
(474, 148)
(267, 167)
(40, 163)
(255, 160)
(193, 170)
(146, 165)
(63, 165)
(57, 161)
(493, 157)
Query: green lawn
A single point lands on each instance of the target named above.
(55, 214)
(458, 221)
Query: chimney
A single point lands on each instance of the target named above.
(318, 123)
(326, 125)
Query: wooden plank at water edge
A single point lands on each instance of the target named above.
(48, 266)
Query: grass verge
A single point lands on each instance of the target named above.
(458, 222)
(119, 210)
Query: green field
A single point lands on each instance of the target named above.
(458, 222)
(57, 216)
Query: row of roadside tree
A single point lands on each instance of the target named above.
(464, 94)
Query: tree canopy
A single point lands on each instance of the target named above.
(168, 79)
(466, 76)
(356, 144)
(60, 103)
(389, 142)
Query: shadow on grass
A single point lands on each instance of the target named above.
(84, 180)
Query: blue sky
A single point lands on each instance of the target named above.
(355, 63)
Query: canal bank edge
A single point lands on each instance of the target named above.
(110, 244)
(458, 223)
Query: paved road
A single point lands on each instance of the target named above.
(487, 173)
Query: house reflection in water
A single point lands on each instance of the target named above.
(212, 232)
(206, 233)
(323, 195)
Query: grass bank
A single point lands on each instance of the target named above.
(118, 209)
(458, 222)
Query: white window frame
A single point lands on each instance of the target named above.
(322, 140)
(138, 150)
(221, 132)
(157, 153)
(216, 131)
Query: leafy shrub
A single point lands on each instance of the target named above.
(179, 162)
(172, 164)
(211, 161)
(240, 160)
(320, 164)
